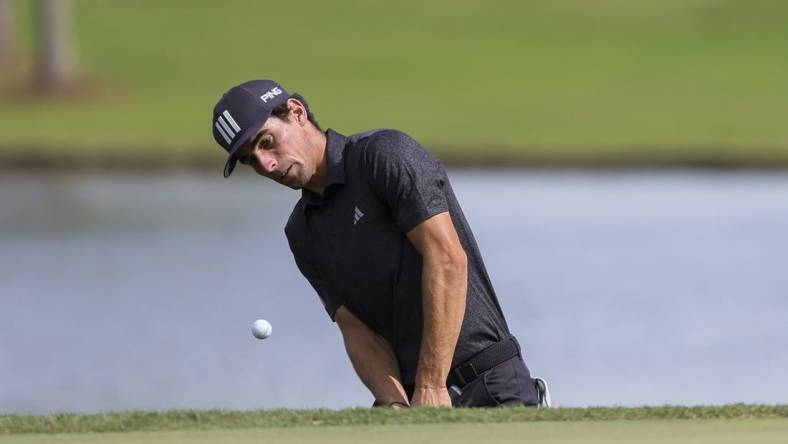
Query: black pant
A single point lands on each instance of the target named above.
(507, 384)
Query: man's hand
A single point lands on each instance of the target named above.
(430, 397)
(397, 405)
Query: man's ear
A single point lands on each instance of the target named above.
(298, 111)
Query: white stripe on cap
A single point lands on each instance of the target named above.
(226, 127)
(221, 131)
(232, 121)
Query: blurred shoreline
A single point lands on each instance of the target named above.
(35, 157)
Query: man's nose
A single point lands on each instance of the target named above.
(266, 160)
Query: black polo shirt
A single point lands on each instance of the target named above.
(351, 243)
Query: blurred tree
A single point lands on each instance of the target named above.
(6, 33)
(54, 54)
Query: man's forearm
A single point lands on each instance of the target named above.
(376, 365)
(444, 289)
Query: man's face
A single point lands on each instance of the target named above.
(280, 151)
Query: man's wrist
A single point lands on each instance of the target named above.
(430, 380)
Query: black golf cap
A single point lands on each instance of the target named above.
(241, 112)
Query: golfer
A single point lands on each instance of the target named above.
(381, 237)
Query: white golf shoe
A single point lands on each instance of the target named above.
(543, 392)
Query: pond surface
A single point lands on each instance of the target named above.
(130, 291)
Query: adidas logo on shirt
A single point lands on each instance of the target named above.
(357, 215)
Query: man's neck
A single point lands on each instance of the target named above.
(319, 143)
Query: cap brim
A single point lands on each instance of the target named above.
(230, 166)
(242, 139)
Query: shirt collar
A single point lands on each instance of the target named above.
(335, 166)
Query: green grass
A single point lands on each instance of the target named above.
(216, 419)
(536, 81)
(766, 431)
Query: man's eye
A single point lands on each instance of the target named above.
(266, 142)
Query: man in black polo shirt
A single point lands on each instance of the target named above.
(381, 237)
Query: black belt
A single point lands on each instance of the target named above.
(486, 359)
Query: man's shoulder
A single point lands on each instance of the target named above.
(380, 137)
(295, 222)
(386, 145)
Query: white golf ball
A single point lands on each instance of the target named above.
(261, 329)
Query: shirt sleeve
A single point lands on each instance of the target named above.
(318, 282)
(406, 177)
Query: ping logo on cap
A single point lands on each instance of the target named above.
(270, 94)
(227, 126)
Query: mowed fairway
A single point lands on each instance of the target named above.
(534, 80)
(651, 431)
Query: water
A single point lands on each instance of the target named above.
(127, 291)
